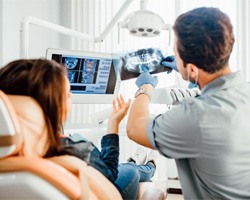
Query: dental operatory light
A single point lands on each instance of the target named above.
(144, 23)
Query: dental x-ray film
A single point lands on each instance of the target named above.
(136, 62)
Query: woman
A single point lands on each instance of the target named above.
(46, 81)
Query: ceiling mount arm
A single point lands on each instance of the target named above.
(143, 4)
(24, 32)
(115, 19)
(27, 21)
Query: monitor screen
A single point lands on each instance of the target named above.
(94, 77)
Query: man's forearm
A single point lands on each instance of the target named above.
(139, 117)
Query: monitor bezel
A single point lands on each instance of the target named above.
(89, 98)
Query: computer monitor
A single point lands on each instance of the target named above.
(94, 77)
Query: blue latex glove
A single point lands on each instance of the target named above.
(170, 62)
(146, 78)
(144, 68)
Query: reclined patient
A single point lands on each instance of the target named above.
(47, 83)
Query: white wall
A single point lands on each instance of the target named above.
(12, 11)
(242, 38)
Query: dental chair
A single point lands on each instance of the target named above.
(24, 174)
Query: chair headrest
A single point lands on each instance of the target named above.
(10, 137)
(22, 117)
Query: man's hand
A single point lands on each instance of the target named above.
(170, 62)
(146, 78)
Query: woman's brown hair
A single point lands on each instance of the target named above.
(44, 81)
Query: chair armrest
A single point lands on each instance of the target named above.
(51, 172)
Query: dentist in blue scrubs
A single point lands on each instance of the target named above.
(209, 135)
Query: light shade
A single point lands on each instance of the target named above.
(144, 23)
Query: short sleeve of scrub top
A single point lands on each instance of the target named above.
(176, 133)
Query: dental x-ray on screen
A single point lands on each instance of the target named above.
(94, 77)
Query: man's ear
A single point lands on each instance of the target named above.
(193, 70)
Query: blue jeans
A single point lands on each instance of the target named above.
(129, 176)
(125, 176)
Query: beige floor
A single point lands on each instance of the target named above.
(175, 184)
(174, 197)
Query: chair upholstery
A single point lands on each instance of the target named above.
(22, 168)
(9, 130)
(36, 178)
(23, 142)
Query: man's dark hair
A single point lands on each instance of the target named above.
(204, 38)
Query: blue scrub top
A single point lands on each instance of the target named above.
(209, 137)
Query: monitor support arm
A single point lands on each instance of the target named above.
(27, 21)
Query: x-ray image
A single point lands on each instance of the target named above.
(71, 76)
(71, 63)
(73, 67)
(134, 63)
(89, 69)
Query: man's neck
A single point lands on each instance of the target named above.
(205, 78)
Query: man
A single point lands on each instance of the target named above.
(208, 136)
